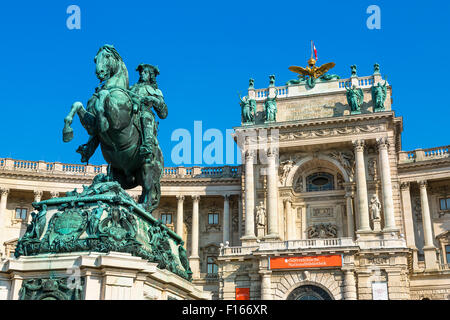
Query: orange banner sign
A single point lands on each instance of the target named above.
(242, 293)
(305, 262)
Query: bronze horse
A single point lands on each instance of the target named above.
(111, 122)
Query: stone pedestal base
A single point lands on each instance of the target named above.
(92, 276)
(390, 233)
(194, 262)
(363, 235)
(377, 225)
(248, 241)
(431, 262)
(260, 231)
(272, 237)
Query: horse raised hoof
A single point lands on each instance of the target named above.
(67, 134)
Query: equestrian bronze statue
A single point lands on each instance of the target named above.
(121, 120)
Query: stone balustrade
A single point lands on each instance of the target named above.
(381, 243)
(306, 244)
(87, 170)
(331, 85)
(424, 154)
(237, 251)
(303, 244)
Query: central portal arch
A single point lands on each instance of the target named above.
(309, 292)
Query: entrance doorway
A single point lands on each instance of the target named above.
(309, 292)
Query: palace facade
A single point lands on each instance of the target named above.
(326, 205)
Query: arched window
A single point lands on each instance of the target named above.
(320, 181)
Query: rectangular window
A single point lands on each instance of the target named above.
(444, 203)
(447, 253)
(21, 213)
(212, 267)
(166, 218)
(213, 218)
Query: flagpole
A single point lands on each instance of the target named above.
(311, 49)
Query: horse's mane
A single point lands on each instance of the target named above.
(122, 68)
(110, 49)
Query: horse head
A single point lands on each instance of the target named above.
(109, 65)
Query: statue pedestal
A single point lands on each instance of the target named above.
(260, 232)
(93, 276)
(103, 218)
(377, 225)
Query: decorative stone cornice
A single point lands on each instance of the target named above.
(321, 121)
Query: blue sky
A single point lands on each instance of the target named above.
(206, 52)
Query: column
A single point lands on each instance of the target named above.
(180, 202)
(194, 259)
(429, 248)
(272, 196)
(388, 201)
(361, 187)
(349, 207)
(3, 219)
(239, 199)
(249, 197)
(290, 218)
(226, 219)
(349, 285)
(304, 222)
(266, 285)
(409, 222)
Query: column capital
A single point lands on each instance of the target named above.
(180, 198)
(358, 145)
(38, 193)
(350, 191)
(196, 197)
(383, 143)
(250, 154)
(272, 151)
(54, 194)
(423, 183)
(286, 200)
(404, 186)
(226, 196)
(4, 191)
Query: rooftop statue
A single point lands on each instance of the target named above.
(379, 93)
(355, 98)
(270, 108)
(312, 73)
(248, 109)
(121, 121)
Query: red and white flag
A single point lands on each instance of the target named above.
(315, 51)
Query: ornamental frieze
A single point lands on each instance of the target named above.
(330, 132)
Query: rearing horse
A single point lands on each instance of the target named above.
(110, 121)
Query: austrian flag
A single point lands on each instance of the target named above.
(315, 50)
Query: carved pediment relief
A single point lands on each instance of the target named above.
(322, 230)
